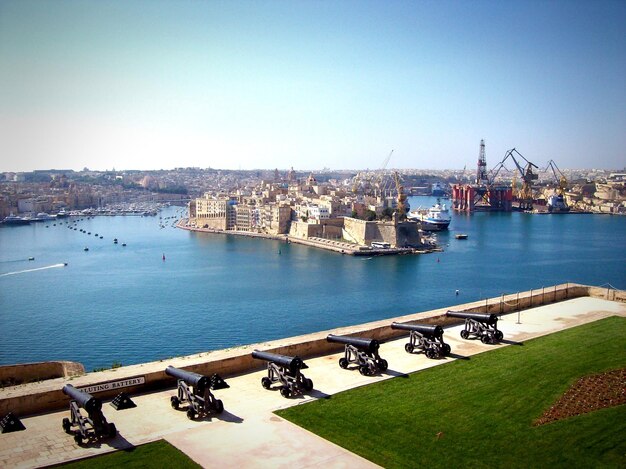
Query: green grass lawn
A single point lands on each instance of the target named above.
(159, 454)
(483, 408)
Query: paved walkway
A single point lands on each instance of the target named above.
(248, 434)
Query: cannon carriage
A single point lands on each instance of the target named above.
(286, 371)
(426, 338)
(482, 326)
(360, 351)
(195, 389)
(91, 427)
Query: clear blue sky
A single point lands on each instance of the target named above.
(337, 84)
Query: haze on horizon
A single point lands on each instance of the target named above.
(338, 84)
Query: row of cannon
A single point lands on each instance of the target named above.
(194, 389)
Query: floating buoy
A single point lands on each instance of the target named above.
(31, 258)
(457, 293)
(86, 249)
(123, 244)
(163, 257)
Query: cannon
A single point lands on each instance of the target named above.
(363, 352)
(94, 425)
(195, 389)
(425, 337)
(286, 370)
(483, 326)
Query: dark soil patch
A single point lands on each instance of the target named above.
(588, 394)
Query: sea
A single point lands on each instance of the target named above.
(171, 292)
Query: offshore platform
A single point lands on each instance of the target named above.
(487, 195)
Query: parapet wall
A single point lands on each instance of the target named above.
(29, 372)
(47, 395)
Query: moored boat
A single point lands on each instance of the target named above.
(13, 220)
(436, 218)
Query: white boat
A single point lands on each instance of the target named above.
(557, 204)
(436, 218)
(43, 216)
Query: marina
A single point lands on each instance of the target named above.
(130, 295)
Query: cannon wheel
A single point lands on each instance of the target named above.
(383, 365)
(364, 370)
(430, 353)
(486, 339)
(464, 334)
(66, 425)
(308, 384)
(174, 402)
(266, 382)
(219, 406)
(285, 392)
(446, 349)
(191, 414)
(343, 363)
(499, 335)
(112, 430)
(409, 348)
(78, 438)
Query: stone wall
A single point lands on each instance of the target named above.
(402, 234)
(29, 372)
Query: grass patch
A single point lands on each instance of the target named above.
(479, 412)
(159, 454)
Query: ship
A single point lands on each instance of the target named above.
(437, 190)
(436, 218)
(557, 204)
(15, 220)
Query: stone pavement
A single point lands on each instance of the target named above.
(247, 434)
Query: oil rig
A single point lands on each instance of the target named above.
(487, 195)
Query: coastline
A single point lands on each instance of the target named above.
(340, 247)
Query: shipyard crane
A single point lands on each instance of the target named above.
(560, 180)
(401, 196)
(525, 195)
(381, 174)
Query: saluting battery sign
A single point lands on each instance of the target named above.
(124, 383)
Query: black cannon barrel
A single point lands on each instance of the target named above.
(293, 363)
(485, 318)
(371, 345)
(200, 382)
(84, 400)
(430, 330)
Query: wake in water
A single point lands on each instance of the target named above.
(32, 270)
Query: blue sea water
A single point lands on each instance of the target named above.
(126, 304)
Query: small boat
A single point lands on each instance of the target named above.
(460, 236)
(86, 249)
(31, 258)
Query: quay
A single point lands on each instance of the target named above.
(341, 247)
(262, 438)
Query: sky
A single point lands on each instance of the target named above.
(232, 84)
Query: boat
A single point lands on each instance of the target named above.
(43, 216)
(460, 236)
(557, 204)
(437, 190)
(13, 220)
(436, 218)
(62, 213)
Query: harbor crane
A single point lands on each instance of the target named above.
(525, 195)
(560, 179)
(401, 196)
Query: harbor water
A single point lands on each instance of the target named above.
(170, 292)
